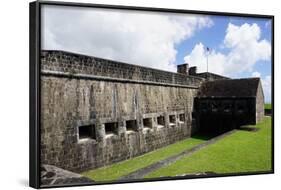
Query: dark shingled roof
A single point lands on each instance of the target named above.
(230, 87)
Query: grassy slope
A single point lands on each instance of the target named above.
(241, 152)
(120, 169)
(267, 106)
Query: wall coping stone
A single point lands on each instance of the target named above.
(67, 64)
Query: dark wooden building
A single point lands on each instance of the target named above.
(222, 105)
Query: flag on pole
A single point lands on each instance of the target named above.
(208, 49)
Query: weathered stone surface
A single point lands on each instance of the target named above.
(52, 175)
(69, 102)
(72, 63)
(259, 103)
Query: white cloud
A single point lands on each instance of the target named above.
(245, 49)
(141, 38)
(198, 57)
(256, 74)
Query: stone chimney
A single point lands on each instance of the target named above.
(192, 71)
(183, 69)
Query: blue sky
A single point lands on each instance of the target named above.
(258, 63)
(213, 38)
(240, 47)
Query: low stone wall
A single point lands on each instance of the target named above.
(52, 175)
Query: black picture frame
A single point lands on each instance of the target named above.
(34, 82)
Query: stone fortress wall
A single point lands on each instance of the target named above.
(95, 112)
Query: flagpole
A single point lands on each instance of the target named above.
(208, 59)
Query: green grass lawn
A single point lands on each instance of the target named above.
(120, 169)
(267, 106)
(242, 151)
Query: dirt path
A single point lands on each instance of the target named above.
(139, 174)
